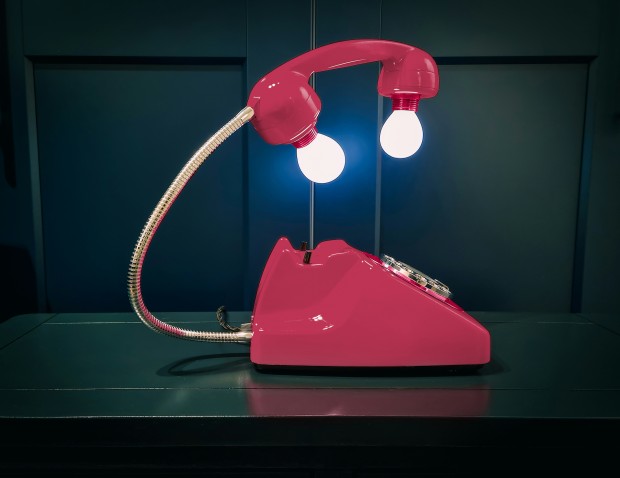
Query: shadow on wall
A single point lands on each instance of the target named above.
(6, 135)
(18, 284)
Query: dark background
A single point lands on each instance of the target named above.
(512, 201)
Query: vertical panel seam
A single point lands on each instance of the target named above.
(377, 238)
(583, 192)
(313, 85)
(35, 184)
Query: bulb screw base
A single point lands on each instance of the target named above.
(405, 102)
(306, 139)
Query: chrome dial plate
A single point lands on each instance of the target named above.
(415, 275)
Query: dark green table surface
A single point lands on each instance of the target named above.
(107, 380)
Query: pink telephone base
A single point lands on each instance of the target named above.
(336, 306)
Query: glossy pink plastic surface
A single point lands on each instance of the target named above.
(286, 107)
(346, 308)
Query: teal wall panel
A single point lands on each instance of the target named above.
(111, 138)
(154, 28)
(600, 235)
(489, 28)
(489, 202)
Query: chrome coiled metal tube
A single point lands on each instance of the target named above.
(163, 206)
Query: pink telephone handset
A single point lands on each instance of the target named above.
(334, 306)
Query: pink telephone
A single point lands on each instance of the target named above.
(335, 305)
(338, 306)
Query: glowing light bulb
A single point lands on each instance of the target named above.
(322, 160)
(401, 135)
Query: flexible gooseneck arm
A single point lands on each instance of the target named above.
(155, 219)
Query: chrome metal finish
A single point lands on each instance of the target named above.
(411, 273)
(155, 219)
